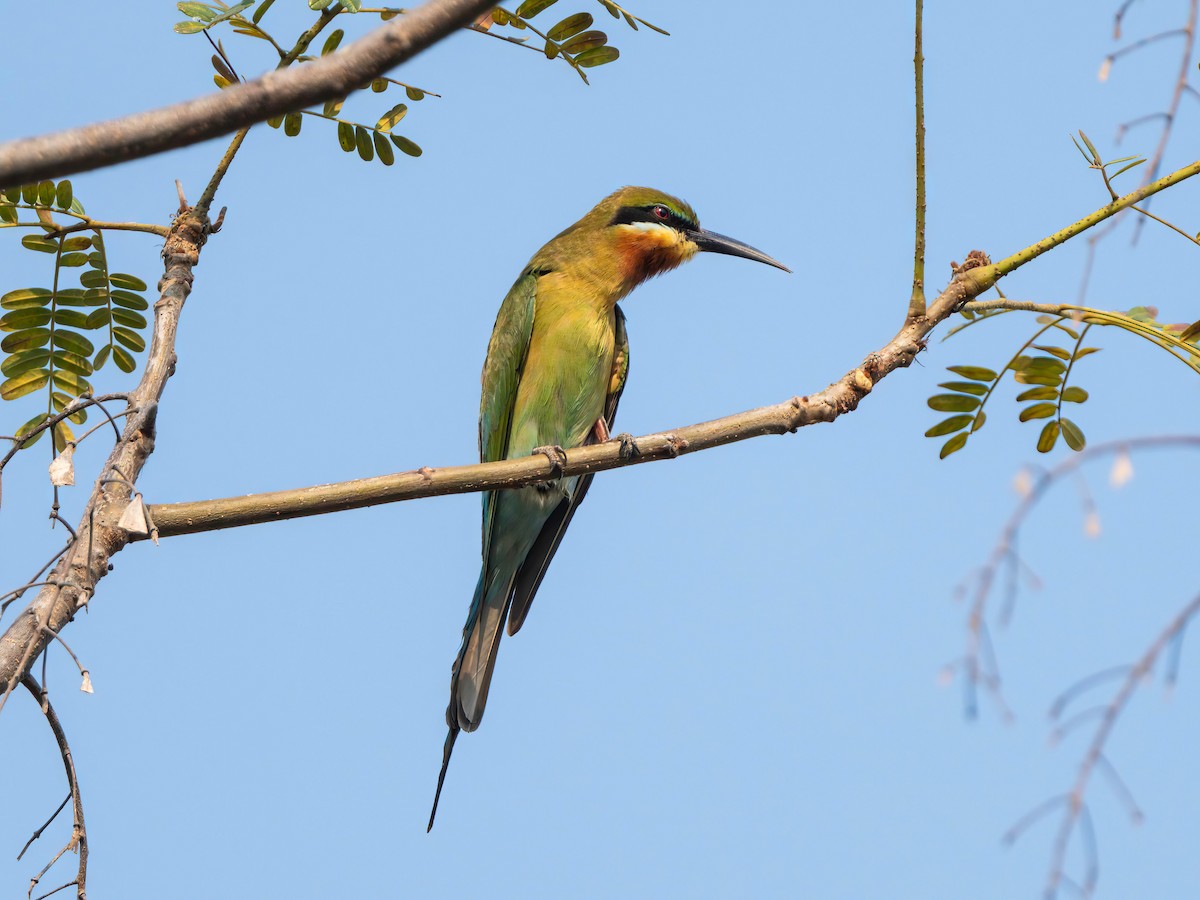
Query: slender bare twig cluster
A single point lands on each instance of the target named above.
(980, 668)
(1187, 34)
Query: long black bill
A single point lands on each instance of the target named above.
(712, 242)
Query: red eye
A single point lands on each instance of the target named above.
(661, 212)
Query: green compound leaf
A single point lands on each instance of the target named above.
(128, 317)
(331, 42)
(60, 401)
(63, 196)
(72, 362)
(362, 140)
(123, 359)
(531, 8)
(1053, 351)
(1038, 411)
(597, 56)
(24, 361)
(38, 243)
(1072, 435)
(129, 300)
(589, 40)
(957, 403)
(1040, 365)
(974, 373)
(76, 343)
(570, 26)
(404, 145)
(392, 117)
(965, 387)
(25, 298)
(75, 297)
(26, 339)
(70, 318)
(1027, 378)
(130, 339)
(1038, 393)
(1048, 438)
(28, 427)
(261, 11)
(128, 282)
(197, 11)
(25, 383)
(20, 319)
(73, 384)
(953, 445)
(383, 149)
(949, 426)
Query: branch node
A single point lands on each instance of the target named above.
(676, 445)
(861, 381)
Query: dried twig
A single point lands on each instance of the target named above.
(78, 839)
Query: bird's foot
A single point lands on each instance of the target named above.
(557, 456)
(629, 447)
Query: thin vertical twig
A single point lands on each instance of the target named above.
(916, 304)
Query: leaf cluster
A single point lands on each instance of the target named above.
(1042, 370)
(371, 141)
(572, 38)
(44, 345)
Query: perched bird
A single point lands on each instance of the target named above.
(555, 369)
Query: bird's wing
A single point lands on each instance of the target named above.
(530, 575)
(502, 370)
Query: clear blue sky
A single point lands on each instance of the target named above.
(728, 686)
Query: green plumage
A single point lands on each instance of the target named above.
(555, 369)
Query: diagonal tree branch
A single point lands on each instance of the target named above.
(824, 406)
(73, 581)
(144, 134)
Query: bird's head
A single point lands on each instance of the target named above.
(653, 232)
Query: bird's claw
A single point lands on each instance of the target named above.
(629, 447)
(557, 456)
